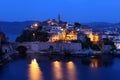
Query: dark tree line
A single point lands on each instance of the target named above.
(33, 35)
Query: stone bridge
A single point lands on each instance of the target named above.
(38, 46)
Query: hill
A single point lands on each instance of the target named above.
(14, 29)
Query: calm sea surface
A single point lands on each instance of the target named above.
(12, 37)
(33, 69)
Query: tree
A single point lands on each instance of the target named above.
(39, 28)
(77, 25)
(108, 42)
(26, 36)
(33, 35)
(3, 38)
(42, 36)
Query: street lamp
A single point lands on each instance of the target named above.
(33, 34)
(36, 25)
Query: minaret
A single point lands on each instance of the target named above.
(58, 19)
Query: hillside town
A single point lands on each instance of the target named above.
(59, 31)
(59, 37)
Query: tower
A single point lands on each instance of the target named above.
(59, 19)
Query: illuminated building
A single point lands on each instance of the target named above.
(63, 36)
(94, 37)
(117, 44)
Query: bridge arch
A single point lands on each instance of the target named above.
(22, 50)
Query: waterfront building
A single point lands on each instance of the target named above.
(7, 48)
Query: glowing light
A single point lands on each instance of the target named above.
(63, 36)
(36, 25)
(34, 71)
(34, 62)
(94, 37)
(117, 45)
(33, 34)
(91, 37)
(71, 71)
(57, 70)
(54, 38)
(61, 29)
(94, 63)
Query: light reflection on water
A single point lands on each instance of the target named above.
(71, 71)
(94, 63)
(35, 72)
(57, 70)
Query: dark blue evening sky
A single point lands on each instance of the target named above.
(70, 10)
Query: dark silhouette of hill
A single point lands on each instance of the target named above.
(18, 27)
(99, 25)
(14, 27)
